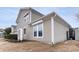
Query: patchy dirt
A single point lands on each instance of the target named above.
(34, 46)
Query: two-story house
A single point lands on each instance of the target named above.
(25, 17)
(32, 25)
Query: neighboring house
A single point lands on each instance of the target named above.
(1, 33)
(13, 29)
(76, 33)
(32, 25)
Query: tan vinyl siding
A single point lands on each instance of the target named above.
(23, 24)
(60, 29)
(46, 32)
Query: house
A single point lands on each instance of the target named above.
(13, 29)
(25, 17)
(1, 33)
(76, 33)
(32, 25)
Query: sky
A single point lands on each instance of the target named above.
(8, 15)
(67, 13)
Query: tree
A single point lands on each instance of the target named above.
(9, 36)
(7, 30)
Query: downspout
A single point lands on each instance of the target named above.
(52, 30)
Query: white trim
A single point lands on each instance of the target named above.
(37, 22)
(52, 30)
(42, 32)
(30, 16)
(33, 32)
(20, 34)
(37, 31)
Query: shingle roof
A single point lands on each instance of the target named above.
(52, 14)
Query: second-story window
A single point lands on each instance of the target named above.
(26, 17)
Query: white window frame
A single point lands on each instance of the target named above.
(42, 31)
(27, 18)
(37, 31)
(33, 32)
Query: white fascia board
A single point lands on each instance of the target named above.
(52, 30)
(37, 22)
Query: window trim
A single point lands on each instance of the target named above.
(37, 31)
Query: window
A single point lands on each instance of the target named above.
(26, 14)
(26, 17)
(35, 31)
(24, 31)
(38, 30)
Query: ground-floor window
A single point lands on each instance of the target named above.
(35, 31)
(38, 30)
(24, 31)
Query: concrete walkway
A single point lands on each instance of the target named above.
(34, 46)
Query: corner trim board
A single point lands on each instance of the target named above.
(52, 30)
